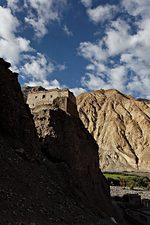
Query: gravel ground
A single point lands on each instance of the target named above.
(120, 191)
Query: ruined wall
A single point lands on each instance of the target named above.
(55, 98)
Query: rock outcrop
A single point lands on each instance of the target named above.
(121, 126)
(16, 121)
(59, 186)
(65, 139)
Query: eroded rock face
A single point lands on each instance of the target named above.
(121, 126)
(66, 140)
(16, 121)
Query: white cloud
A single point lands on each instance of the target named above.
(54, 84)
(140, 85)
(137, 7)
(15, 5)
(77, 91)
(17, 49)
(11, 45)
(92, 82)
(8, 24)
(101, 13)
(87, 3)
(61, 67)
(67, 31)
(120, 59)
(118, 77)
(117, 38)
(112, 78)
(24, 44)
(12, 50)
(46, 84)
(38, 67)
(92, 52)
(41, 13)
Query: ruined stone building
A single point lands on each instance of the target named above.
(53, 98)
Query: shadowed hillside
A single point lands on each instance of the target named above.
(59, 185)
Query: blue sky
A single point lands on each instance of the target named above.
(83, 45)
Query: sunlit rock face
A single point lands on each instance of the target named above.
(121, 126)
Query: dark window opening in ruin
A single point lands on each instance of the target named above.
(33, 104)
(35, 96)
(51, 96)
(43, 96)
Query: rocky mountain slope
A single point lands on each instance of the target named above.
(58, 184)
(121, 126)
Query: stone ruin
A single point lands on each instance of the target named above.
(52, 99)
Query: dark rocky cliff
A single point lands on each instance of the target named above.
(60, 185)
(65, 139)
(15, 118)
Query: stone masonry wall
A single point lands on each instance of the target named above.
(55, 98)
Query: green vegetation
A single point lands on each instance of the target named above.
(126, 180)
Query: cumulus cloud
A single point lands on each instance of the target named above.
(11, 45)
(110, 78)
(118, 77)
(39, 68)
(54, 84)
(41, 13)
(92, 51)
(101, 13)
(77, 90)
(46, 84)
(87, 3)
(137, 7)
(117, 38)
(8, 23)
(15, 5)
(16, 49)
(92, 82)
(120, 59)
